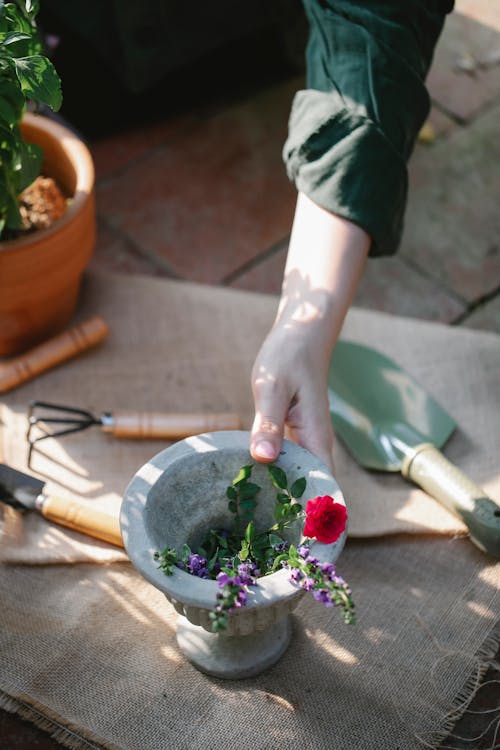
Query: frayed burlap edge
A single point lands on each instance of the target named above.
(434, 740)
(66, 734)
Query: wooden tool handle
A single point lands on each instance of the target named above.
(82, 518)
(52, 352)
(168, 426)
(450, 486)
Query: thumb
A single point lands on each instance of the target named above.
(271, 408)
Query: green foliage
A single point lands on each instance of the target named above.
(25, 75)
(236, 557)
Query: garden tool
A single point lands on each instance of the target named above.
(25, 493)
(52, 352)
(124, 424)
(389, 423)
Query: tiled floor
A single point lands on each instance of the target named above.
(202, 195)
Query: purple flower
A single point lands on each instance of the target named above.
(197, 565)
(281, 546)
(322, 595)
(313, 561)
(223, 579)
(308, 584)
(303, 551)
(247, 573)
(295, 575)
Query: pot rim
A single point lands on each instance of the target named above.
(183, 586)
(80, 156)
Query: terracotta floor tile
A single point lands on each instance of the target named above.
(115, 152)
(216, 197)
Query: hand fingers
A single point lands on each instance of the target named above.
(310, 425)
(271, 407)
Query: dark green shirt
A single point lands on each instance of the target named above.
(353, 129)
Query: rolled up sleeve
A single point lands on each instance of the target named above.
(352, 131)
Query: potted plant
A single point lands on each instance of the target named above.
(237, 625)
(41, 261)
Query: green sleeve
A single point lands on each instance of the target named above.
(353, 129)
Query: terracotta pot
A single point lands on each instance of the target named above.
(40, 274)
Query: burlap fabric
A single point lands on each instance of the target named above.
(185, 347)
(89, 650)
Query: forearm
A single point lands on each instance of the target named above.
(325, 261)
(289, 378)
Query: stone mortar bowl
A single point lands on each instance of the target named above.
(180, 494)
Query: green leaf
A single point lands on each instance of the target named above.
(250, 532)
(248, 504)
(185, 552)
(11, 102)
(231, 493)
(28, 168)
(13, 37)
(278, 477)
(283, 497)
(275, 539)
(249, 489)
(298, 487)
(39, 80)
(232, 506)
(243, 474)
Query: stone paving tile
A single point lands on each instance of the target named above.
(440, 125)
(267, 275)
(113, 253)
(390, 285)
(485, 317)
(217, 197)
(464, 76)
(453, 221)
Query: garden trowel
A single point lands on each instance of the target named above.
(389, 423)
(26, 493)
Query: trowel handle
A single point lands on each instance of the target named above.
(82, 518)
(464, 498)
(52, 352)
(167, 426)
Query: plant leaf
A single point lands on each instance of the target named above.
(248, 490)
(39, 80)
(298, 487)
(243, 474)
(278, 477)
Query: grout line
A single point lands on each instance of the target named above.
(150, 255)
(255, 261)
(473, 306)
(437, 282)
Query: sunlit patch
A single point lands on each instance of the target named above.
(279, 700)
(481, 610)
(336, 650)
(306, 312)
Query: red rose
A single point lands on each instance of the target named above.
(325, 519)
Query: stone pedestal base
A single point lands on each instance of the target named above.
(233, 657)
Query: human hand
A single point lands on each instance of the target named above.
(289, 384)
